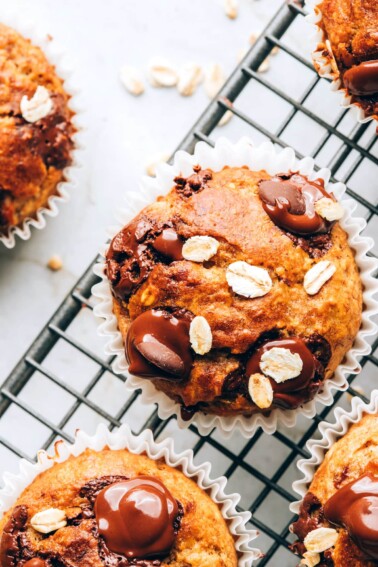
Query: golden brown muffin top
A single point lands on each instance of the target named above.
(227, 207)
(350, 459)
(202, 538)
(351, 26)
(31, 153)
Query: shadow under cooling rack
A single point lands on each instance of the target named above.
(64, 381)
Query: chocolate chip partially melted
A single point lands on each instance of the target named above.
(362, 79)
(136, 517)
(293, 392)
(289, 200)
(315, 352)
(135, 250)
(11, 547)
(311, 516)
(355, 508)
(90, 491)
(195, 183)
(158, 345)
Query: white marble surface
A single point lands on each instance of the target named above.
(123, 131)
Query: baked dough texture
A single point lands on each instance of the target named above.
(348, 459)
(351, 26)
(230, 210)
(32, 155)
(203, 539)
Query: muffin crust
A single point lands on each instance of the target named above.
(32, 155)
(203, 539)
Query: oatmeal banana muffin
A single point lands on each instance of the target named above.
(116, 509)
(35, 129)
(338, 520)
(237, 292)
(350, 30)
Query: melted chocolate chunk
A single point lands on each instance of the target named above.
(195, 183)
(135, 250)
(355, 508)
(320, 348)
(311, 516)
(289, 200)
(362, 79)
(11, 549)
(187, 412)
(135, 517)
(90, 491)
(290, 393)
(158, 345)
(169, 244)
(315, 246)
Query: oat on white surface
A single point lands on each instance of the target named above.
(247, 280)
(281, 364)
(226, 118)
(55, 263)
(215, 77)
(231, 8)
(38, 106)
(189, 77)
(154, 161)
(49, 520)
(317, 276)
(162, 73)
(132, 80)
(200, 335)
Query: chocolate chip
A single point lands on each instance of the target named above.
(135, 250)
(161, 356)
(288, 193)
(158, 345)
(290, 203)
(194, 183)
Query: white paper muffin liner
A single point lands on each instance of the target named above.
(256, 158)
(330, 433)
(64, 69)
(123, 438)
(326, 65)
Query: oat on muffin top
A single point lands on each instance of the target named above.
(35, 129)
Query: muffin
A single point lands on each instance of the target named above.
(350, 47)
(237, 292)
(118, 509)
(338, 518)
(36, 130)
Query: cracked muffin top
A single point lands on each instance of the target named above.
(338, 519)
(35, 129)
(115, 509)
(351, 28)
(237, 292)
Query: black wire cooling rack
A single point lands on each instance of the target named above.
(64, 381)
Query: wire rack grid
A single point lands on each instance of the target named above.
(64, 380)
